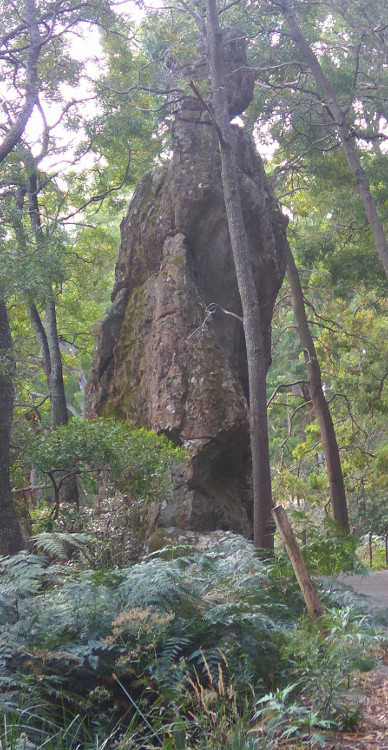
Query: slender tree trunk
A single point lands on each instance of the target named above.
(252, 317)
(47, 336)
(59, 412)
(320, 405)
(11, 539)
(68, 492)
(345, 136)
(41, 338)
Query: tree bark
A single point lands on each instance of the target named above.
(345, 136)
(320, 405)
(41, 337)
(252, 317)
(68, 492)
(59, 412)
(11, 538)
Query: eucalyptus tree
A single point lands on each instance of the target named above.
(20, 45)
(35, 265)
(344, 133)
(345, 293)
(31, 43)
(323, 85)
(345, 303)
(243, 262)
(37, 67)
(252, 318)
(319, 401)
(40, 252)
(11, 538)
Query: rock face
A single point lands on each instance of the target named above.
(156, 362)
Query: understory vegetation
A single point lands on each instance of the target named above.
(202, 646)
(114, 634)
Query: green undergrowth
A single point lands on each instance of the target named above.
(375, 549)
(186, 649)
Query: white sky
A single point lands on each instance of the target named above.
(86, 48)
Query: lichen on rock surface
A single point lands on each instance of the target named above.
(155, 362)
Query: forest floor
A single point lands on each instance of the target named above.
(372, 687)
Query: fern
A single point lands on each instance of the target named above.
(58, 544)
(22, 575)
(159, 584)
(182, 622)
(173, 649)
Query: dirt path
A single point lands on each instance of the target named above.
(372, 731)
(374, 586)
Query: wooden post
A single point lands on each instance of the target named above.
(313, 604)
(370, 542)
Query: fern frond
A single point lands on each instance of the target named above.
(171, 652)
(21, 575)
(59, 544)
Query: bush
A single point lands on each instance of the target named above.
(114, 531)
(326, 548)
(137, 462)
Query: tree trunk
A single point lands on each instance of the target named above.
(313, 604)
(59, 413)
(320, 405)
(47, 336)
(41, 337)
(252, 317)
(345, 136)
(11, 539)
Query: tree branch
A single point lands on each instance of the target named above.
(283, 385)
(31, 86)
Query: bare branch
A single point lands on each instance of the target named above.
(281, 386)
(210, 310)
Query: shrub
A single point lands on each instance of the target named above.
(135, 461)
(326, 548)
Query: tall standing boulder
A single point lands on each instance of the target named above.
(161, 359)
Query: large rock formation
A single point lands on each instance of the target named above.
(155, 361)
